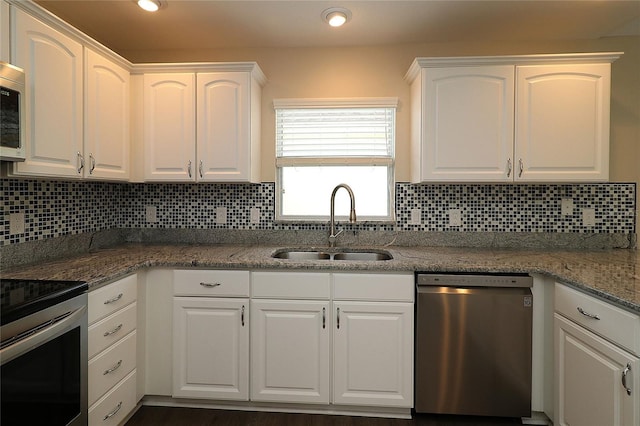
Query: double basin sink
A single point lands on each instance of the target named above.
(332, 254)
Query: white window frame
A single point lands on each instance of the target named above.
(390, 102)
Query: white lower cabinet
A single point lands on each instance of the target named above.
(211, 335)
(596, 380)
(362, 345)
(373, 354)
(112, 342)
(290, 351)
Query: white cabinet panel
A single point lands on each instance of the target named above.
(373, 354)
(210, 348)
(591, 375)
(290, 351)
(468, 123)
(169, 127)
(223, 126)
(562, 122)
(106, 139)
(53, 66)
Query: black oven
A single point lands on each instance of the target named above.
(43, 352)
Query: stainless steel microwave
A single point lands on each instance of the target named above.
(12, 129)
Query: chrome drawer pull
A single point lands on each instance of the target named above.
(587, 314)
(626, 371)
(114, 412)
(112, 369)
(210, 285)
(115, 330)
(115, 299)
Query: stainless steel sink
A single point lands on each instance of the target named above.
(363, 256)
(332, 254)
(301, 255)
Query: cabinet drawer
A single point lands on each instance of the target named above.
(114, 407)
(615, 324)
(106, 300)
(291, 285)
(112, 328)
(110, 366)
(211, 283)
(380, 287)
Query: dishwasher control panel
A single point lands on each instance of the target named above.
(474, 280)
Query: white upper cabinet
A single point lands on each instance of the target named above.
(106, 140)
(202, 126)
(53, 66)
(5, 47)
(536, 118)
(562, 122)
(169, 127)
(468, 123)
(227, 148)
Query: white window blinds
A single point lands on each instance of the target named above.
(330, 132)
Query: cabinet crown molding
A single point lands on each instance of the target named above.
(538, 59)
(251, 67)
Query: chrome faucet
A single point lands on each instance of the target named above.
(352, 215)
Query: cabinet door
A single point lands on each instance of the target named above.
(169, 127)
(106, 140)
(373, 354)
(468, 123)
(590, 378)
(223, 126)
(53, 68)
(210, 348)
(290, 351)
(562, 122)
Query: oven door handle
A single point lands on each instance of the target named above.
(39, 337)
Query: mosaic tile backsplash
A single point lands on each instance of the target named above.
(55, 208)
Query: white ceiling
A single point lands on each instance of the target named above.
(209, 24)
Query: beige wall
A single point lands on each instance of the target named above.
(379, 72)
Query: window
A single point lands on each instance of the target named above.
(322, 143)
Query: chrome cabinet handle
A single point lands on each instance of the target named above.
(114, 412)
(242, 316)
(338, 319)
(626, 371)
(324, 318)
(509, 167)
(200, 168)
(189, 168)
(587, 314)
(115, 299)
(80, 163)
(112, 369)
(93, 164)
(521, 166)
(115, 330)
(210, 285)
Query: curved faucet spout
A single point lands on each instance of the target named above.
(352, 214)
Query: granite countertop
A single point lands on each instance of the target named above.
(613, 275)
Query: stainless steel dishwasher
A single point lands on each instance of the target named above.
(473, 344)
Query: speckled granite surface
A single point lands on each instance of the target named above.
(610, 274)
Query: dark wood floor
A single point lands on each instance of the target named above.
(165, 416)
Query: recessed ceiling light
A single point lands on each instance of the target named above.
(149, 5)
(336, 16)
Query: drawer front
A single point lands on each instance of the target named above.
(374, 287)
(108, 299)
(110, 366)
(114, 407)
(615, 324)
(211, 283)
(291, 285)
(112, 328)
